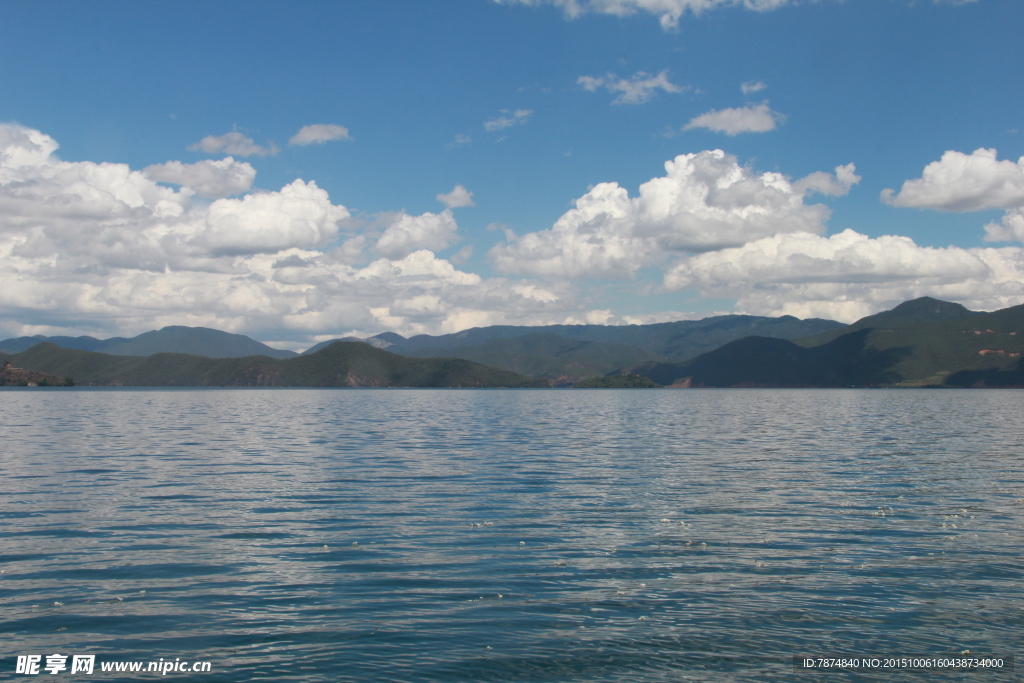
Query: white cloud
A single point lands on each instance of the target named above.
(964, 182)
(209, 178)
(97, 248)
(752, 86)
(508, 119)
(300, 215)
(233, 143)
(460, 139)
(406, 234)
(752, 119)
(1009, 229)
(458, 197)
(49, 206)
(706, 201)
(319, 133)
(96, 216)
(970, 182)
(849, 275)
(636, 89)
(667, 11)
(833, 185)
(20, 147)
(462, 255)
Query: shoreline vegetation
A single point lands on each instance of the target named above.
(920, 343)
(11, 376)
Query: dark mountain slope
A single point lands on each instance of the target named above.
(543, 354)
(940, 347)
(344, 364)
(379, 341)
(765, 362)
(908, 314)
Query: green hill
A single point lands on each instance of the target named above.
(624, 380)
(543, 354)
(380, 341)
(907, 314)
(19, 377)
(343, 364)
(919, 343)
(765, 362)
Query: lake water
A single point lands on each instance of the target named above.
(447, 535)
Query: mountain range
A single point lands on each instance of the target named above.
(923, 342)
(200, 341)
(561, 353)
(566, 354)
(342, 364)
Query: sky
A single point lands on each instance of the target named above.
(300, 171)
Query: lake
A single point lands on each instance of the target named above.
(511, 535)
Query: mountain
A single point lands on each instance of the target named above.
(343, 364)
(924, 342)
(679, 340)
(543, 354)
(19, 344)
(200, 341)
(389, 337)
(766, 362)
(380, 341)
(569, 352)
(915, 311)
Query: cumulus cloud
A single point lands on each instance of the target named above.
(99, 216)
(407, 234)
(1009, 229)
(752, 119)
(849, 275)
(667, 11)
(233, 143)
(508, 119)
(319, 133)
(706, 201)
(752, 86)
(299, 215)
(970, 182)
(209, 178)
(79, 205)
(458, 197)
(24, 147)
(99, 248)
(964, 182)
(826, 183)
(636, 89)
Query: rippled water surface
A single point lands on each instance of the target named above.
(446, 535)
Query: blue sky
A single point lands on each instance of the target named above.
(535, 108)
